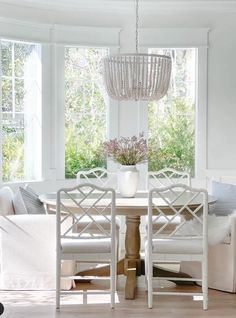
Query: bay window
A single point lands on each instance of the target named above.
(55, 112)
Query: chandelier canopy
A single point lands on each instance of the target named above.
(137, 76)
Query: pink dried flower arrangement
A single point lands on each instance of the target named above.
(127, 150)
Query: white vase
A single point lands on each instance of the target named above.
(128, 178)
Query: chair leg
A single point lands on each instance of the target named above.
(205, 284)
(58, 282)
(149, 282)
(113, 280)
(146, 273)
(146, 283)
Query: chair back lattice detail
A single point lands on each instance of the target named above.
(166, 177)
(82, 203)
(98, 176)
(178, 201)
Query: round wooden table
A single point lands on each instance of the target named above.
(132, 265)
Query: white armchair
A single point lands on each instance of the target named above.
(28, 249)
(28, 253)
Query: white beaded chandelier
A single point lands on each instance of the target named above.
(137, 76)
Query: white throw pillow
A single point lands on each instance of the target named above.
(27, 202)
(218, 228)
(226, 198)
(6, 205)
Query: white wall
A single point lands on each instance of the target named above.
(221, 110)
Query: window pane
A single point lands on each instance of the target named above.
(21, 112)
(6, 94)
(85, 109)
(6, 58)
(22, 54)
(171, 120)
(13, 147)
(19, 95)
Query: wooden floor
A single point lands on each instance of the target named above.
(38, 304)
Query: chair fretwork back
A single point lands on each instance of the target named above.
(166, 177)
(180, 201)
(82, 204)
(98, 176)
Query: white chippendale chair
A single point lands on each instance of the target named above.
(188, 241)
(98, 176)
(103, 178)
(85, 201)
(166, 177)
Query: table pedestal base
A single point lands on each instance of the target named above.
(133, 269)
(132, 266)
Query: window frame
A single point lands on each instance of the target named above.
(13, 79)
(195, 96)
(108, 108)
(187, 38)
(109, 39)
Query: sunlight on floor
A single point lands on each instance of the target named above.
(88, 297)
(26, 298)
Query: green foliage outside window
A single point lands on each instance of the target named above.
(13, 155)
(81, 151)
(85, 110)
(171, 142)
(171, 121)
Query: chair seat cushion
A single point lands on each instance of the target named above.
(86, 246)
(180, 246)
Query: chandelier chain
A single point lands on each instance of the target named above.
(137, 25)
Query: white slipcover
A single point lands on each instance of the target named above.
(28, 253)
(221, 264)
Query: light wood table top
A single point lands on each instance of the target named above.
(124, 206)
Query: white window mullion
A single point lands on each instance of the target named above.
(13, 80)
(33, 116)
(48, 153)
(60, 111)
(201, 115)
(113, 116)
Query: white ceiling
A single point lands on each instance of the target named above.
(105, 12)
(121, 6)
